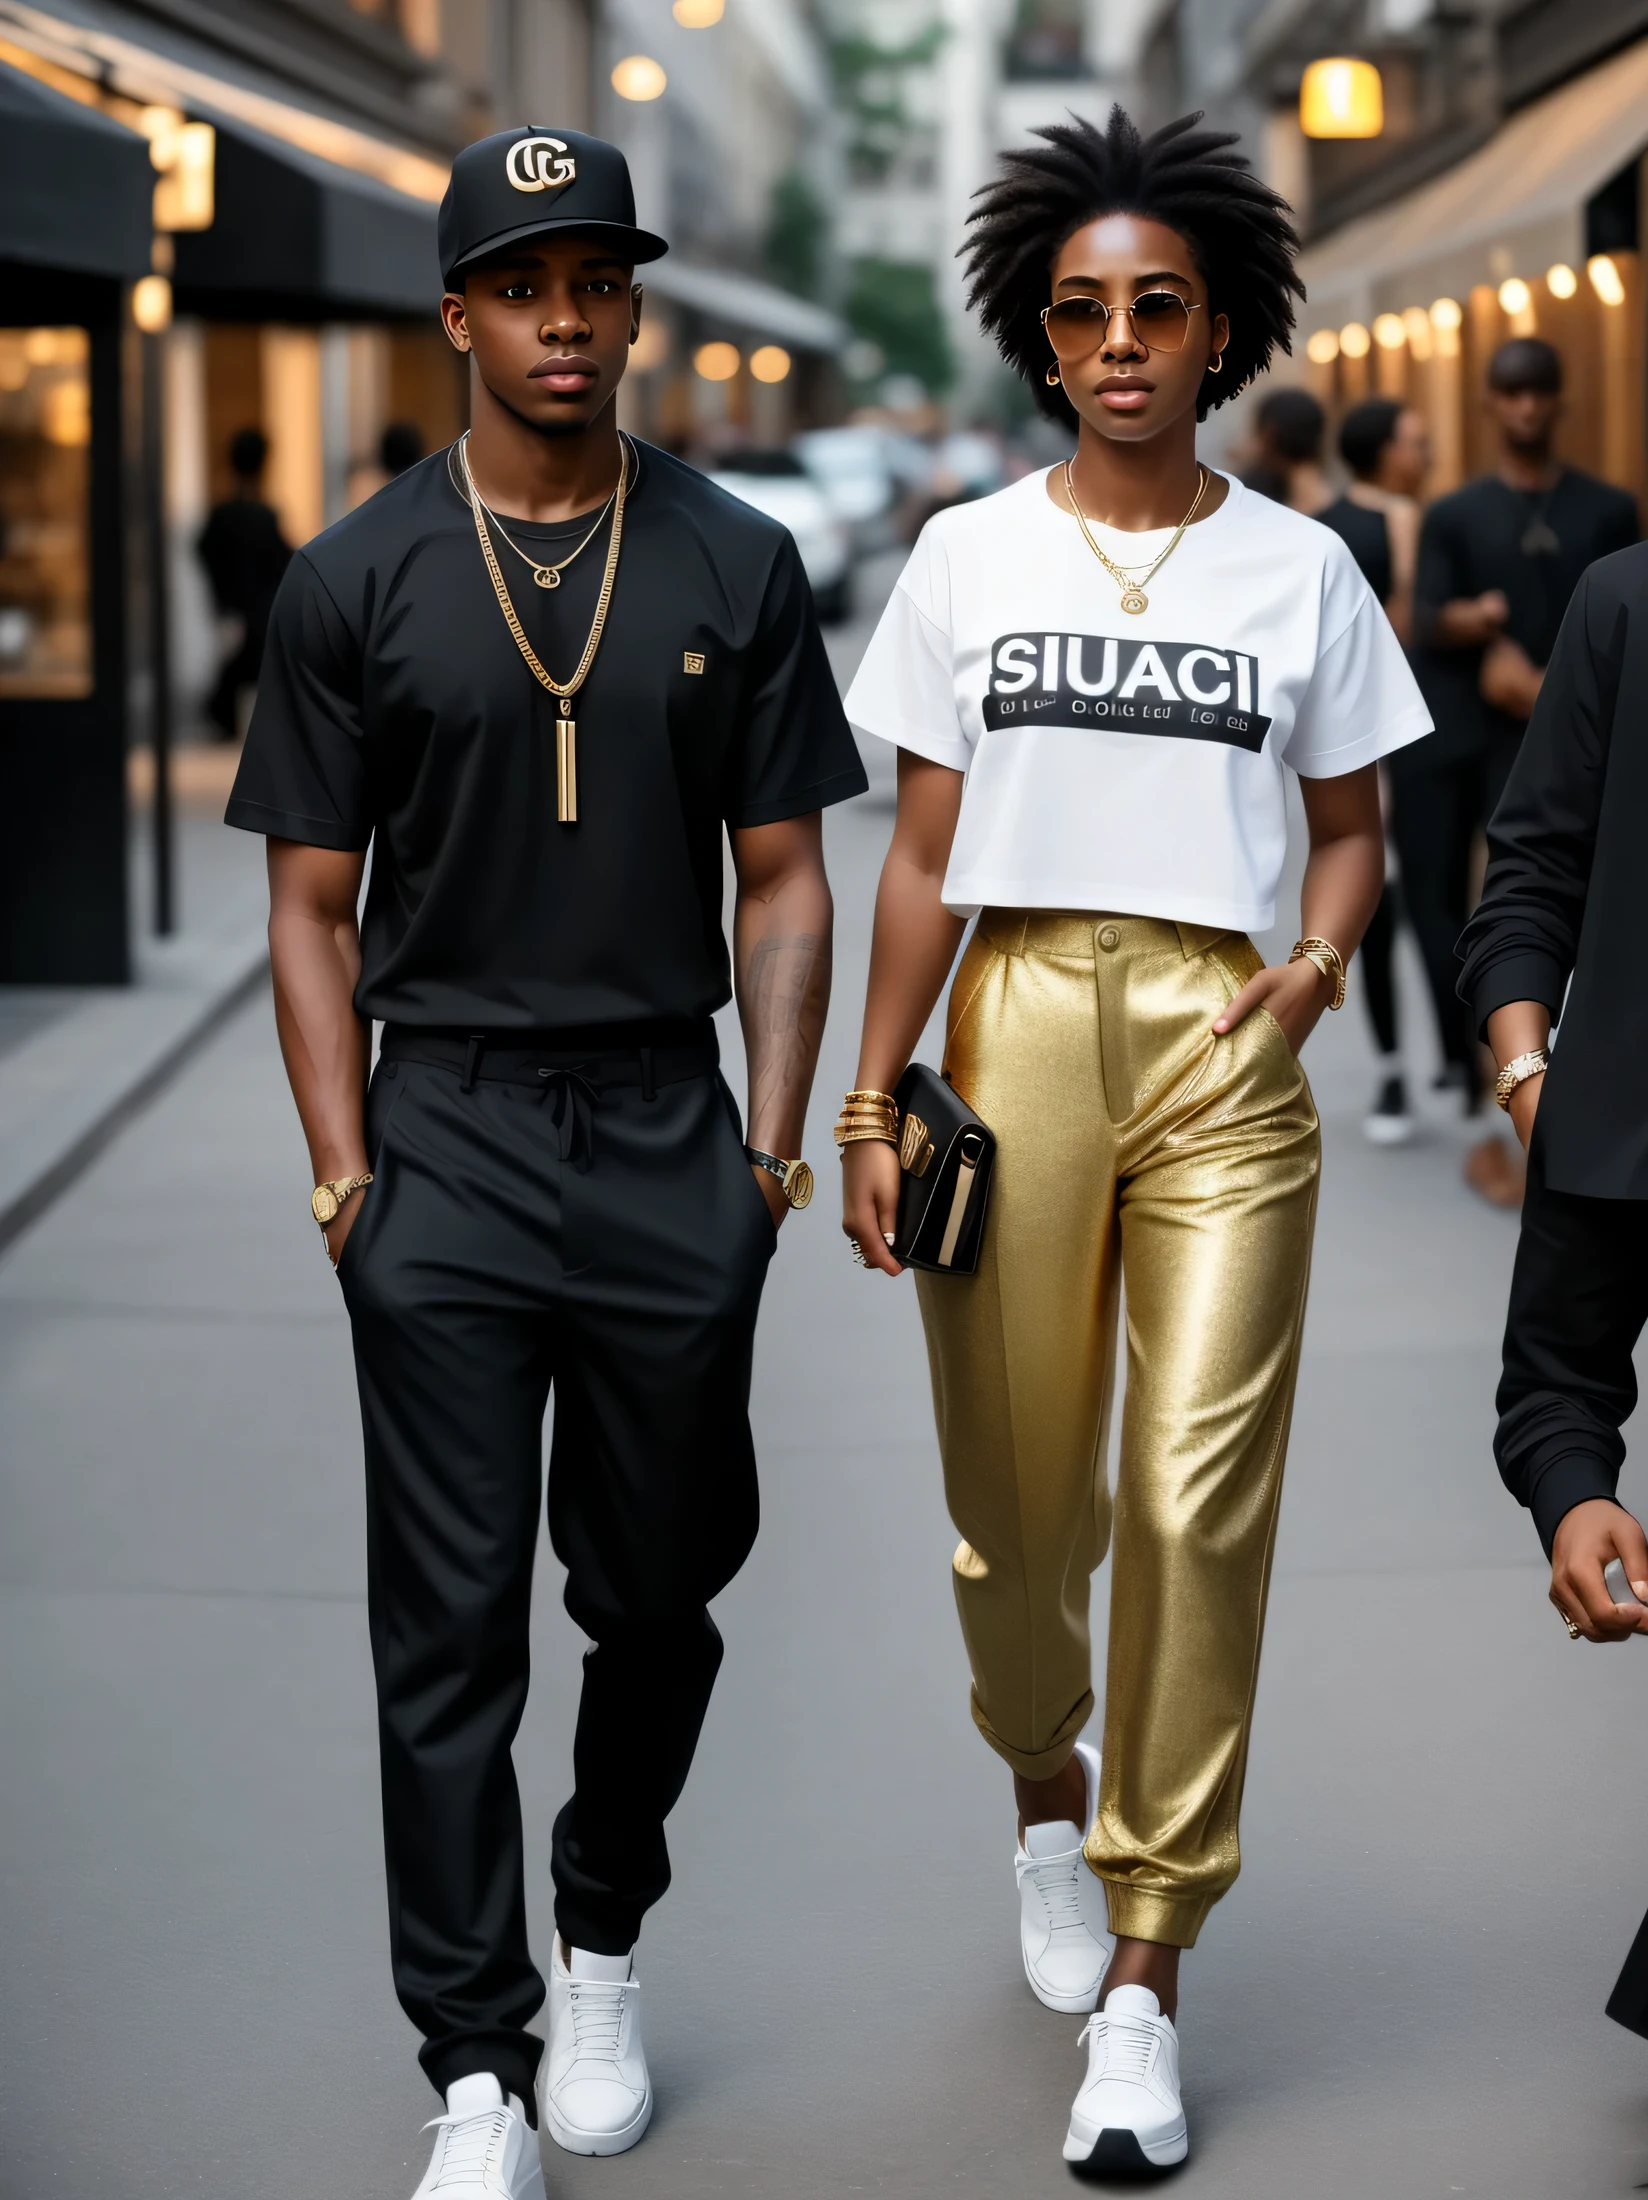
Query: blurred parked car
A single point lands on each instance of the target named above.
(777, 483)
(866, 471)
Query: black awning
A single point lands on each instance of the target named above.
(296, 237)
(76, 187)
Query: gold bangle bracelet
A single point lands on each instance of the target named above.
(1328, 961)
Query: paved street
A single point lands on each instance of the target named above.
(1443, 1835)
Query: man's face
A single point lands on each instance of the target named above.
(550, 322)
(1527, 418)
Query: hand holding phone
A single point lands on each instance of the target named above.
(1614, 1581)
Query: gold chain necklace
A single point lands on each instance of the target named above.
(1134, 598)
(546, 576)
(566, 726)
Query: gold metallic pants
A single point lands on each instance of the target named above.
(1134, 1147)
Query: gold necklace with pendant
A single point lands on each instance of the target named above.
(546, 576)
(1134, 598)
(566, 726)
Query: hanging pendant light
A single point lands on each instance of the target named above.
(1341, 98)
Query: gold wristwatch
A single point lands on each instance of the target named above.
(326, 1200)
(795, 1176)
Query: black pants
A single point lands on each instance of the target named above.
(1438, 806)
(239, 670)
(560, 1226)
(1378, 958)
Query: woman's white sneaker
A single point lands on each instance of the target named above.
(1128, 2115)
(1064, 1933)
(484, 2147)
(594, 2095)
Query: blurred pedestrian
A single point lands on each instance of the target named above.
(1095, 680)
(543, 721)
(1559, 931)
(1387, 451)
(245, 555)
(1288, 469)
(1498, 561)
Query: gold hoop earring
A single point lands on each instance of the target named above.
(1053, 376)
(1216, 366)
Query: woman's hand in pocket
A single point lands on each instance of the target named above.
(1295, 993)
(869, 1201)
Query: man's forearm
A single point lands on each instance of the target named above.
(324, 1043)
(783, 947)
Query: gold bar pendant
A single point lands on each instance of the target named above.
(566, 770)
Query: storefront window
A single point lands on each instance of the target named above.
(45, 460)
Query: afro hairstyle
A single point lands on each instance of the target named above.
(1240, 234)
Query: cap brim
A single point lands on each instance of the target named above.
(635, 245)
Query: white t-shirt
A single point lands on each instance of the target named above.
(1131, 761)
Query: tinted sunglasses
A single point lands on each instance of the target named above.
(1160, 320)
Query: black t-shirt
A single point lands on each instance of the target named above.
(1534, 546)
(1366, 536)
(395, 708)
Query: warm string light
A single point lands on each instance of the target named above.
(1323, 348)
(770, 363)
(1560, 280)
(716, 362)
(639, 77)
(1354, 341)
(1606, 279)
(1389, 333)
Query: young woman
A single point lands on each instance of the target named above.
(1094, 681)
(1387, 449)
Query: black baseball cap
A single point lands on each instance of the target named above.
(525, 182)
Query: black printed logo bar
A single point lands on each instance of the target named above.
(1185, 690)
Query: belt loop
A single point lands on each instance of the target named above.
(649, 1090)
(472, 1061)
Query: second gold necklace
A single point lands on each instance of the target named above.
(1134, 598)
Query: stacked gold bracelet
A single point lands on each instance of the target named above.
(867, 1115)
(1328, 961)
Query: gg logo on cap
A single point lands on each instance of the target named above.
(539, 164)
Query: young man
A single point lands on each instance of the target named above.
(1498, 561)
(1559, 931)
(538, 674)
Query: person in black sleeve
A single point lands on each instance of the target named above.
(1498, 561)
(245, 554)
(541, 674)
(1385, 446)
(1559, 931)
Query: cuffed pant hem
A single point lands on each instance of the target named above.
(1038, 1764)
(1138, 1913)
(598, 1933)
(512, 2060)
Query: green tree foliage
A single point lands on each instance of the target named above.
(894, 305)
(797, 236)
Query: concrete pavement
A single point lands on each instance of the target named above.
(1443, 1836)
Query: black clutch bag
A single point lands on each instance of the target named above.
(946, 1157)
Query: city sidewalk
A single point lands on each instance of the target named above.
(76, 1062)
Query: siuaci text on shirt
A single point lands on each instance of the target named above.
(1184, 690)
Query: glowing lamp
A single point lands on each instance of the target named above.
(1417, 324)
(152, 304)
(771, 363)
(1606, 280)
(698, 15)
(1323, 348)
(715, 362)
(1560, 280)
(638, 77)
(1514, 295)
(1448, 314)
(1341, 98)
(1389, 332)
(1354, 340)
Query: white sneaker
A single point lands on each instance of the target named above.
(1128, 2116)
(484, 2147)
(594, 2095)
(1064, 1934)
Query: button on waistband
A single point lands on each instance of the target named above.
(1109, 938)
